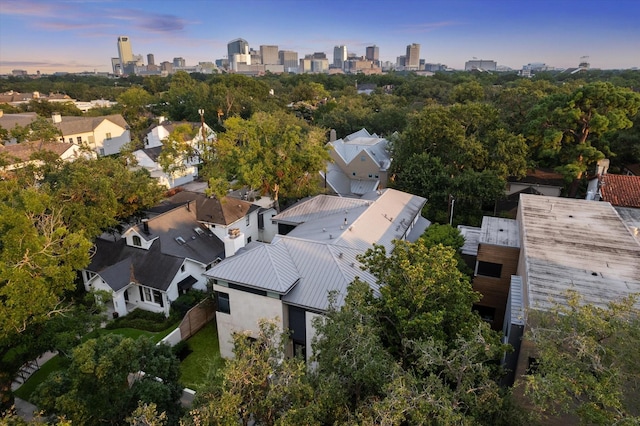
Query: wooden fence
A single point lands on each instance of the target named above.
(197, 317)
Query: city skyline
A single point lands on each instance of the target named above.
(74, 36)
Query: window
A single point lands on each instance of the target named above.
(532, 365)
(79, 138)
(248, 220)
(362, 158)
(248, 240)
(222, 304)
(151, 296)
(489, 269)
(182, 268)
(136, 241)
(70, 140)
(486, 313)
(108, 136)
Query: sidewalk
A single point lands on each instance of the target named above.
(25, 409)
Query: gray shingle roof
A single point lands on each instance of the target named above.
(74, 125)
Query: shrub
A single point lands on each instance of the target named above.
(141, 320)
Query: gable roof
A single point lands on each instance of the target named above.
(74, 125)
(23, 151)
(363, 143)
(212, 210)
(201, 245)
(379, 217)
(621, 190)
(119, 265)
(9, 121)
(579, 245)
(547, 177)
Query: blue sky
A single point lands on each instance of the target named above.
(79, 35)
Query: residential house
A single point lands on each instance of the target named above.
(10, 121)
(105, 135)
(566, 244)
(543, 181)
(153, 262)
(20, 155)
(315, 253)
(619, 190)
(359, 164)
(188, 172)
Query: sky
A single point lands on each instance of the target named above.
(81, 35)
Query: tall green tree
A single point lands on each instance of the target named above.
(570, 129)
(176, 149)
(103, 382)
(259, 384)
(277, 154)
(588, 363)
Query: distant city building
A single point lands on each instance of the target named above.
(269, 55)
(339, 56)
(18, 73)
(179, 63)
(373, 54)
(534, 67)
(401, 61)
(166, 66)
(318, 55)
(289, 60)
(480, 64)
(413, 56)
(237, 46)
(434, 67)
(312, 64)
(125, 52)
(150, 59)
(256, 57)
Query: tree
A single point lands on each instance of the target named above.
(353, 366)
(277, 154)
(259, 384)
(176, 149)
(39, 257)
(422, 294)
(587, 363)
(103, 383)
(570, 128)
(41, 129)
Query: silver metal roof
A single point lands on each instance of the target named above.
(516, 310)
(471, 236)
(576, 245)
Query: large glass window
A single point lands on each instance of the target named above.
(223, 302)
(136, 241)
(489, 269)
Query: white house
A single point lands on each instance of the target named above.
(359, 164)
(314, 253)
(105, 135)
(148, 156)
(20, 155)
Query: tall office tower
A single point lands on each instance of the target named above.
(269, 54)
(237, 47)
(413, 56)
(289, 60)
(339, 56)
(125, 53)
(373, 53)
(179, 62)
(150, 59)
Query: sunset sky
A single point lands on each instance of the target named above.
(81, 35)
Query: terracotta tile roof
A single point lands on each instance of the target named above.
(621, 190)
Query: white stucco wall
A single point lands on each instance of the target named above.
(246, 310)
(119, 137)
(250, 230)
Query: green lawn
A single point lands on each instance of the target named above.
(204, 361)
(25, 391)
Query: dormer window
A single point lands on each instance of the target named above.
(136, 241)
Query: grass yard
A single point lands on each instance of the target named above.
(204, 360)
(25, 391)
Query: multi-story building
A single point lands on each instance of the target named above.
(373, 54)
(237, 46)
(179, 62)
(269, 55)
(150, 59)
(480, 64)
(413, 56)
(339, 56)
(125, 52)
(289, 60)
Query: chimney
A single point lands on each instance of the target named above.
(161, 119)
(1, 113)
(188, 206)
(233, 241)
(145, 226)
(603, 167)
(56, 117)
(332, 135)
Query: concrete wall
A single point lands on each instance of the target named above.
(246, 310)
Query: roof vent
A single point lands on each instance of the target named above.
(340, 255)
(324, 229)
(180, 240)
(198, 231)
(331, 236)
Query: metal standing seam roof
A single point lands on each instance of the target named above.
(302, 271)
(576, 245)
(264, 266)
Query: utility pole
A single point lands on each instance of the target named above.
(201, 112)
